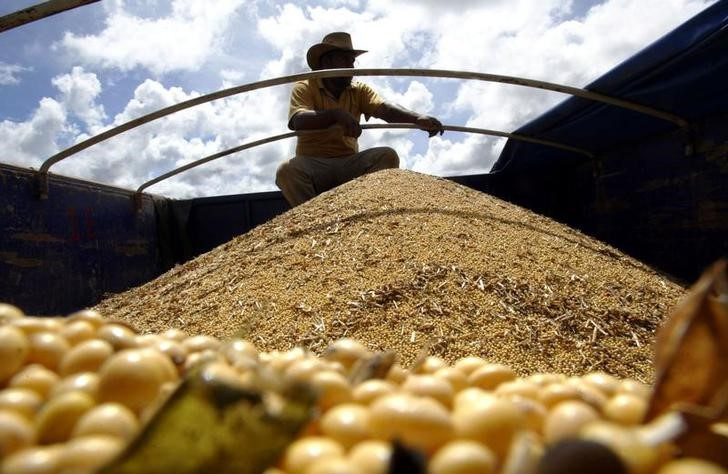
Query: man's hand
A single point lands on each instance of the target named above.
(322, 119)
(429, 124)
(393, 113)
(351, 127)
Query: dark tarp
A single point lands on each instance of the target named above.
(685, 73)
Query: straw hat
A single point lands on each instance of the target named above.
(339, 41)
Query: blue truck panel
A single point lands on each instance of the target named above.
(63, 253)
(214, 221)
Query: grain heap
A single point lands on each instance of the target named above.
(404, 261)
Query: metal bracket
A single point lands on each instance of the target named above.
(42, 181)
(137, 201)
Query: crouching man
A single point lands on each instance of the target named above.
(333, 106)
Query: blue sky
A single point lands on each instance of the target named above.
(73, 75)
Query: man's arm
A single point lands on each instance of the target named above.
(393, 113)
(320, 119)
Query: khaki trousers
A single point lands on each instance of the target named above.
(304, 177)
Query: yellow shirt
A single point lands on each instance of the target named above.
(310, 95)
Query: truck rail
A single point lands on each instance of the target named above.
(42, 173)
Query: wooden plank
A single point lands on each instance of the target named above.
(38, 12)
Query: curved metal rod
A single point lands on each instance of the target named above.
(453, 128)
(38, 12)
(361, 72)
(214, 156)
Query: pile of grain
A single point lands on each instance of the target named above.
(404, 261)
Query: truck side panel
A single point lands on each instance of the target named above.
(663, 206)
(61, 254)
(647, 198)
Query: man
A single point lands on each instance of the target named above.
(331, 157)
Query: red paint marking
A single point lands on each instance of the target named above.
(90, 225)
(73, 222)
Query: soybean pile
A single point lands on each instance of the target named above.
(416, 264)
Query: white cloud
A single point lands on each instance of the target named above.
(29, 143)
(231, 77)
(79, 91)
(444, 157)
(9, 73)
(149, 97)
(572, 52)
(182, 40)
(347, 3)
(417, 97)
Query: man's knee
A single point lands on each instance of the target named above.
(391, 157)
(294, 182)
(283, 174)
(289, 174)
(386, 158)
